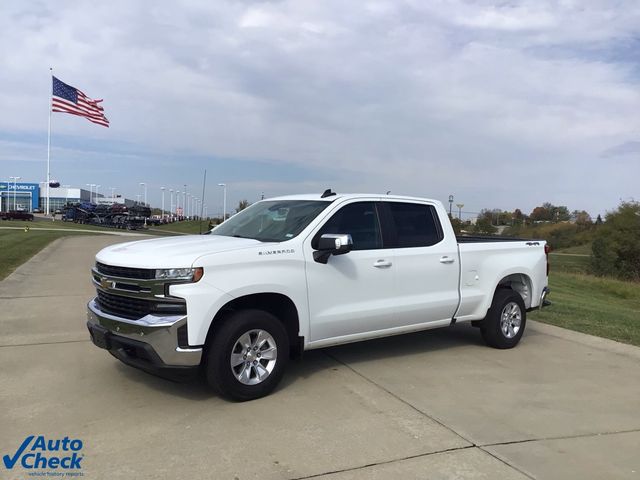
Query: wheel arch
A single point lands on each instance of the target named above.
(520, 283)
(277, 304)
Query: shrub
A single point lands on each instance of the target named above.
(616, 248)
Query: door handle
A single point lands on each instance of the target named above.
(382, 264)
(446, 259)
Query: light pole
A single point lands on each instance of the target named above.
(15, 179)
(96, 194)
(187, 205)
(224, 201)
(184, 202)
(15, 188)
(450, 204)
(177, 201)
(460, 205)
(91, 185)
(142, 184)
(113, 196)
(171, 202)
(67, 187)
(8, 189)
(137, 198)
(162, 188)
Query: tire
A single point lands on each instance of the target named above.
(227, 359)
(505, 321)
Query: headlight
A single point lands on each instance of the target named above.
(189, 274)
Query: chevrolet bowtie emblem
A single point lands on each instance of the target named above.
(105, 283)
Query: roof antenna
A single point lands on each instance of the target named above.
(388, 192)
(327, 193)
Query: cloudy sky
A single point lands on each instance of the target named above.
(502, 104)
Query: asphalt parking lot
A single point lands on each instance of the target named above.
(434, 404)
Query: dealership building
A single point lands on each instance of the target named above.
(30, 197)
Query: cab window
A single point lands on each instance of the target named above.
(360, 220)
(416, 225)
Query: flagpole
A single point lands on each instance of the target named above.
(49, 139)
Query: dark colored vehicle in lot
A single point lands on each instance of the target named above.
(112, 216)
(17, 215)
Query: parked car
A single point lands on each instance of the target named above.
(302, 272)
(17, 215)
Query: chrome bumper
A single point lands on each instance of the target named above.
(160, 333)
(543, 298)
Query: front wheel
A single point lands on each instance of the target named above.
(505, 321)
(247, 355)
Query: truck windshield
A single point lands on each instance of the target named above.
(271, 220)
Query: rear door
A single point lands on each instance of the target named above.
(425, 261)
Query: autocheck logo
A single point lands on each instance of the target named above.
(37, 452)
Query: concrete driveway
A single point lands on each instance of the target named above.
(435, 404)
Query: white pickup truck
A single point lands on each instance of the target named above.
(301, 272)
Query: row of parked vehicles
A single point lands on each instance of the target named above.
(115, 215)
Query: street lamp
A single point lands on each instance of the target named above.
(8, 189)
(177, 201)
(96, 194)
(187, 204)
(224, 202)
(450, 204)
(142, 184)
(113, 196)
(184, 203)
(171, 202)
(15, 187)
(91, 185)
(162, 188)
(460, 205)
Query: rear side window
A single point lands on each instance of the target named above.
(360, 220)
(416, 225)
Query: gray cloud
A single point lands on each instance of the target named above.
(418, 97)
(625, 148)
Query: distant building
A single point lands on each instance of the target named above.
(31, 196)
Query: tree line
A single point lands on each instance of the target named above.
(615, 240)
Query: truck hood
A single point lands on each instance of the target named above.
(171, 252)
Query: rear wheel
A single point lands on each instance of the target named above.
(505, 321)
(247, 355)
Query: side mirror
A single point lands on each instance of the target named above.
(332, 244)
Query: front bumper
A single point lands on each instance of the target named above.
(150, 343)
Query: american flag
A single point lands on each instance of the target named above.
(68, 99)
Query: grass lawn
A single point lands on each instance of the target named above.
(188, 227)
(18, 246)
(48, 224)
(584, 249)
(598, 306)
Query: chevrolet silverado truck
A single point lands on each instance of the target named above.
(301, 272)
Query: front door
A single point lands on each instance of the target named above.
(352, 293)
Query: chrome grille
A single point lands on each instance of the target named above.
(136, 308)
(126, 272)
